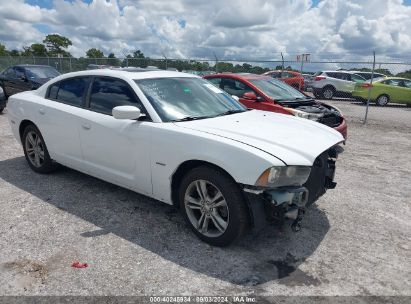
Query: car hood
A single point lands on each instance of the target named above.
(295, 141)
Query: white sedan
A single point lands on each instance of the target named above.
(177, 138)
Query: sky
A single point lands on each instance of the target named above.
(231, 29)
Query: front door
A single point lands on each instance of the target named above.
(116, 150)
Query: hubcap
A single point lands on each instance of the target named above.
(328, 93)
(383, 100)
(34, 149)
(206, 208)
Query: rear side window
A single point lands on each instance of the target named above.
(70, 91)
(108, 93)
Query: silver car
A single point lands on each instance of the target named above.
(327, 84)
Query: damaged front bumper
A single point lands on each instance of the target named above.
(289, 203)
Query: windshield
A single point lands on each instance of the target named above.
(41, 72)
(277, 90)
(181, 98)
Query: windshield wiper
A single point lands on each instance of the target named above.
(229, 112)
(190, 118)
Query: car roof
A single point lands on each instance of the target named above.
(393, 77)
(32, 65)
(131, 75)
(246, 76)
(340, 71)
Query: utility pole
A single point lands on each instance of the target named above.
(216, 62)
(369, 89)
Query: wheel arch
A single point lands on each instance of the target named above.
(185, 167)
(23, 125)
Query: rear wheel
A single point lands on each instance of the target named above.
(35, 150)
(328, 92)
(382, 100)
(213, 206)
(1, 110)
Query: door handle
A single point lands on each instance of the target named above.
(42, 112)
(86, 126)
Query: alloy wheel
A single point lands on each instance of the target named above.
(35, 149)
(328, 93)
(206, 208)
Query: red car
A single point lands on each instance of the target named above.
(265, 93)
(294, 79)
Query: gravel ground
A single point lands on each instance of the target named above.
(355, 241)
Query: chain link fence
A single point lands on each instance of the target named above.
(314, 70)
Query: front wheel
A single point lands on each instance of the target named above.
(35, 150)
(213, 205)
(1, 110)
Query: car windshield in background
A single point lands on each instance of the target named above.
(277, 90)
(41, 72)
(185, 98)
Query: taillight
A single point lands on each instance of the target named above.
(318, 78)
(366, 85)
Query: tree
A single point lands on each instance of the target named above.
(38, 49)
(14, 53)
(3, 50)
(57, 44)
(94, 53)
(111, 56)
(138, 54)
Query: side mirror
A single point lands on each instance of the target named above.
(251, 96)
(127, 112)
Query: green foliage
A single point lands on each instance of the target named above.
(138, 54)
(38, 49)
(111, 55)
(3, 50)
(94, 53)
(57, 44)
(406, 74)
(14, 53)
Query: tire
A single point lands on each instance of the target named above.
(35, 151)
(382, 100)
(328, 92)
(227, 220)
(1, 110)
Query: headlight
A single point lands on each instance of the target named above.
(302, 114)
(284, 176)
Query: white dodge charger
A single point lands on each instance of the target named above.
(177, 138)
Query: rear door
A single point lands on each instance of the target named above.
(116, 150)
(21, 83)
(59, 119)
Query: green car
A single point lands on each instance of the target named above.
(384, 90)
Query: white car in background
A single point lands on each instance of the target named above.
(177, 138)
(329, 84)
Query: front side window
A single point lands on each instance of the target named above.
(185, 98)
(277, 90)
(70, 91)
(19, 72)
(235, 87)
(108, 93)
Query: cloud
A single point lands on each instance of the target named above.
(257, 29)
